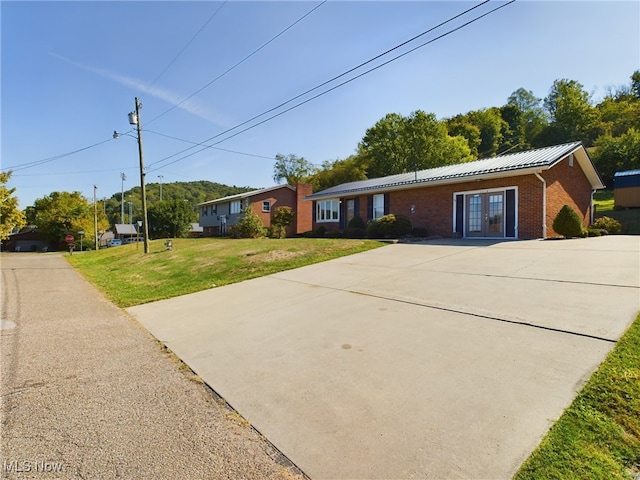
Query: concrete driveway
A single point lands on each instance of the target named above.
(446, 359)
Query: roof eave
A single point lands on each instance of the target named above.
(429, 183)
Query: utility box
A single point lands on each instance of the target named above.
(626, 189)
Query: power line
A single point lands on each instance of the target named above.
(23, 166)
(239, 62)
(207, 146)
(324, 83)
(332, 88)
(188, 43)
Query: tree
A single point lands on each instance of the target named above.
(485, 139)
(170, 218)
(62, 213)
(10, 216)
(533, 116)
(292, 168)
(282, 217)
(397, 144)
(614, 154)
(337, 172)
(572, 115)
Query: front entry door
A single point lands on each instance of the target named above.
(485, 215)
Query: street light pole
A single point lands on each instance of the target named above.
(160, 177)
(134, 119)
(95, 219)
(123, 177)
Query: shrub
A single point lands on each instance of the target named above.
(321, 231)
(389, 226)
(593, 232)
(567, 223)
(249, 226)
(356, 228)
(281, 219)
(611, 225)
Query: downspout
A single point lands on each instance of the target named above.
(544, 205)
(591, 212)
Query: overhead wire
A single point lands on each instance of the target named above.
(332, 88)
(207, 146)
(23, 166)
(326, 82)
(240, 62)
(189, 43)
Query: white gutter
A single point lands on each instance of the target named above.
(544, 204)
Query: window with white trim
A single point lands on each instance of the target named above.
(328, 210)
(235, 207)
(378, 206)
(266, 206)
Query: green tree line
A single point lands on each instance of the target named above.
(609, 129)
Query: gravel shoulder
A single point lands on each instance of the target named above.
(88, 393)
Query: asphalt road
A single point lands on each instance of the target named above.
(440, 360)
(88, 393)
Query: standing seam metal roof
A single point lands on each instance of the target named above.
(542, 157)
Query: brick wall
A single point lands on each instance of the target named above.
(303, 209)
(433, 206)
(567, 185)
(281, 197)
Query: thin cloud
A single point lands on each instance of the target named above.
(165, 95)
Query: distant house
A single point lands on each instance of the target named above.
(508, 196)
(626, 188)
(216, 216)
(27, 240)
(124, 230)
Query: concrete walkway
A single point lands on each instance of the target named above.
(439, 360)
(87, 393)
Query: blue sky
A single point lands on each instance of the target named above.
(71, 70)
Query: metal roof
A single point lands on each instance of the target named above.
(542, 158)
(627, 173)
(240, 196)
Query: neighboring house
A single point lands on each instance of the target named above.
(215, 216)
(27, 240)
(626, 188)
(124, 230)
(509, 196)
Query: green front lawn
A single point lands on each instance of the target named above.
(629, 218)
(598, 436)
(129, 277)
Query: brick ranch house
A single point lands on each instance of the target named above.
(215, 216)
(509, 196)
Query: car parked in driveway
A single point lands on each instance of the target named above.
(114, 242)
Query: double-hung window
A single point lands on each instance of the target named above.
(266, 206)
(235, 207)
(378, 206)
(328, 210)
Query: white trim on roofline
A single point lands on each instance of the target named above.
(239, 196)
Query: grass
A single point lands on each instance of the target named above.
(129, 277)
(628, 218)
(598, 436)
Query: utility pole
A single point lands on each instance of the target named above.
(123, 177)
(160, 177)
(95, 219)
(134, 119)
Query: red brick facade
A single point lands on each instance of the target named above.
(285, 197)
(432, 207)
